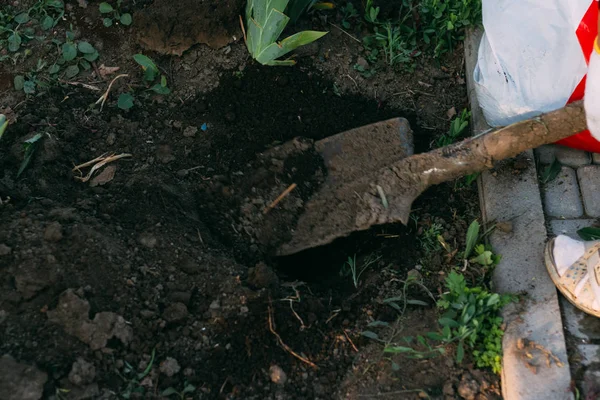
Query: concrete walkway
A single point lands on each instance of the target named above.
(571, 202)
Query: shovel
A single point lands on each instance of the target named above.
(373, 177)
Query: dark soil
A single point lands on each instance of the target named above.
(168, 245)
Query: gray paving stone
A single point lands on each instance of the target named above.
(561, 198)
(589, 353)
(545, 154)
(596, 158)
(589, 182)
(591, 385)
(572, 157)
(580, 325)
(569, 227)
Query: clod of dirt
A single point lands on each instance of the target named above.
(20, 381)
(169, 367)
(4, 250)
(164, 153)
(72, 314)
(190, 131)
(31, 276)
(261, 276)
(176, 312)
(53, 232)
(172, 27)
(468, 387)
(448, 389)
(277, 375)
(82, 372)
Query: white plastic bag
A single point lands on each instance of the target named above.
(530, 60)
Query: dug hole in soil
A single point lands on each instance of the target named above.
(162, 256)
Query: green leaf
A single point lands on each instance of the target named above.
(47, 23)
(589, 233)
(29, 87)
(398, 349)
(160, 89)
(472, 237)
(460, 352)
(484, 258)
(125, 101)
(105, 8)
(71, 71)
(169, 392)
(375, 324)
(417, 303)
(91, 56)
(3, 124)
(107, 22)
(22, 18)
(434, 336)
(148, 367)
(269, 55)
(550, 172)
(14, 42)
(163, 81)
(70, 35)
(29, 146)
(370, 335)
(86, 48)
(189, 388)
(85, 65)
(54, 69)
(126, 19)
(19, 82)
(69, 52)
(145, 62)
(448, 322)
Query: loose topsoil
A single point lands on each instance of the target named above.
(162, 259)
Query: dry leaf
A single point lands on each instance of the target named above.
(104, 177)
(451, 113)
(104, 70)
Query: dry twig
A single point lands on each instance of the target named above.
(104, 97)
(97, 163)
(279, 198)
(350, 341)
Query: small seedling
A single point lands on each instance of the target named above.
(350, 13)
(29, 147)
(350, 268)
(151, 72)
(550, 172)
(188, 388)
(429, 238)
(371, 13)
(3, 124)
(457, 129)
(265, 21)
(125, 101)
(114, 14)
(134, 379)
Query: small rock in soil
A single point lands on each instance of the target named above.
(176, 312)
(4, 250)
(468, 387)
(261, 276)
(82, 373)
(169, 367)
(277, 375)
(148, 240)
(72, 314)
(189, 266)
(53, 232)
(165, 154)
(20, 381)
(190, 131)
(31, 276)
(448, 389)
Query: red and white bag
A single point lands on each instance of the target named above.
(533, 58)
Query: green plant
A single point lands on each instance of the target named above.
(350, 268)
(471, 320)
(3, 124)
(17, 28)
(134, 379)
(151, 72)
(350, 12)
(371, 13)
(550, 172)
(114, 14)
(429, 238)
(125, 101)
(29, 147)
(444, 21)
(589, 233)
(265, 22)
(187, 388)
(457, 129)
